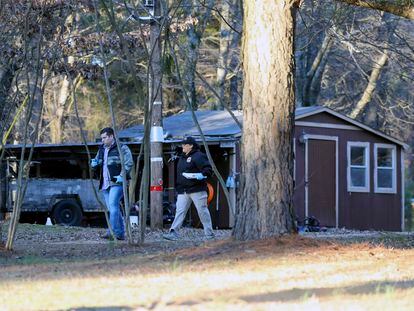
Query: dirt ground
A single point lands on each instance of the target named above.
(58, 268)
(53, 243)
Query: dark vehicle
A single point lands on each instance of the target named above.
(59, 187)
(65, 200)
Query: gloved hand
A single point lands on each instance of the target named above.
(95, 163)
(200, 176)
(119, 179)
(197, 176)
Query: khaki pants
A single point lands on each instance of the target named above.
(200, 202)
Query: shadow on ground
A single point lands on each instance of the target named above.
(378, 287)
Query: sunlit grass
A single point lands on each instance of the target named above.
(318, 278)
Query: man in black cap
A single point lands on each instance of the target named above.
(192, 170)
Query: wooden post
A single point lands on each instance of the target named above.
(157, 136)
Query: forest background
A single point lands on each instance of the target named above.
(356, 61)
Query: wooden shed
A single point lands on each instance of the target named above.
(346, 173)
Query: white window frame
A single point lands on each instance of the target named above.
(393, 189)
(351, 188)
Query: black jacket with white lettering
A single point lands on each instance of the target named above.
(194, 162)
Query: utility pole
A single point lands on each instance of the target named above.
(155, 101)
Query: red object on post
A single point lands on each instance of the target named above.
(156, 188)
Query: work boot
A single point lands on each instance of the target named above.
(171, 236)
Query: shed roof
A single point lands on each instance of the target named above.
(308, 111)
(219, 124)
(213, 123)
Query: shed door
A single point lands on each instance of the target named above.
(322, 181)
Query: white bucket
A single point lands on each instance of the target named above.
(49, 222)
(134, 221)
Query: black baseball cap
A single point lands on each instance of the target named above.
(189, 141)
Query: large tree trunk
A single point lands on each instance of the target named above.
(265, 207)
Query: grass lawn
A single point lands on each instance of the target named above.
(287, 273)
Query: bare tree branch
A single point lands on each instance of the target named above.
(372, 84)
(403, 8)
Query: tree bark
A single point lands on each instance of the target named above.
(265, 208)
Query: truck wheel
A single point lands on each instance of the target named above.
(67, 213)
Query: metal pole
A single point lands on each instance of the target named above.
(157, 136)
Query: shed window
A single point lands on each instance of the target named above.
(385, 168)
(358, 167)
